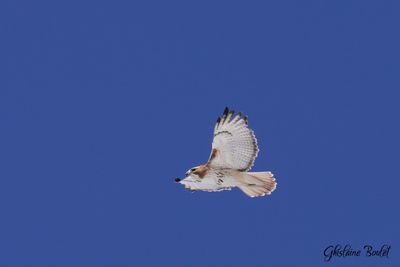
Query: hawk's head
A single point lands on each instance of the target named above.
(193, 177)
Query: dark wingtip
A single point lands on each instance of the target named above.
(219, 120)
(226, 110)
(246, 120)
(231, 114)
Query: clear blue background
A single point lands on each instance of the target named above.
(103, 104)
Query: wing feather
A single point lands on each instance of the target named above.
(234, 144)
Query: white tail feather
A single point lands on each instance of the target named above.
(256, 184)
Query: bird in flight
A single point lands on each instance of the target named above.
(234, 150)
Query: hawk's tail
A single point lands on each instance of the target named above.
(256, 184)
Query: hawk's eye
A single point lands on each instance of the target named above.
(192, 170)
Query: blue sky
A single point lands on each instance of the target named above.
(103, 104)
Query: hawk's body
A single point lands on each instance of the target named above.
(234, 150)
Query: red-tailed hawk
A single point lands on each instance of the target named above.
(234, 150)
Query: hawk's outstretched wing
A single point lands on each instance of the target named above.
(234, 145)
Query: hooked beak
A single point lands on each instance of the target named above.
(177, 180)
